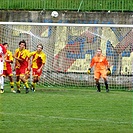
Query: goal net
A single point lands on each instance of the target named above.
(70, 48)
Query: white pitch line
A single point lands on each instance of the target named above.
(68, 118)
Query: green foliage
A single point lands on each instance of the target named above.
(78, 5)
(61, 110)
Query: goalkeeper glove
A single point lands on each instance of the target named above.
(89, 71)
(108, 71)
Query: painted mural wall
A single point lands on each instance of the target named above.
(77, 46)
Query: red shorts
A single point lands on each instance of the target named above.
(7, 72)
(20, 71)
(35, 73)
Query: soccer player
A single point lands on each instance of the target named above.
(27, 72)
(20, 56)
(7, 67)
(102, 69)
(2, 56)
(38, 61)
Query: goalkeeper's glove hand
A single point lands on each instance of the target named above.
(108, 71)
(89, 71)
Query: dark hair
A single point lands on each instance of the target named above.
(40, 45)
(5, 44)
(99, 49)
(23, 41)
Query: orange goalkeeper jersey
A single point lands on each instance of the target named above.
(99, 62)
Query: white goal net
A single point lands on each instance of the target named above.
(70, 48)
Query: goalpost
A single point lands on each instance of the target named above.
(70, 48)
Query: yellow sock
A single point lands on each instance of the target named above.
(26, 84)
(33, 85)
(18, 85)
(12, 85)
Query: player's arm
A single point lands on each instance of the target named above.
(28, 60)
(5, 55)
(23, 57)
(15, 55)
(29, 64)
(9, 61)
(108, 67)
(31, 54)
(107, 63)
(4, 50)
(43, 61)
(17, 58)
(30, 57)
(91, 65)
(41, 66)
(21, 60)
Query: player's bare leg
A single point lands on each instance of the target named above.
(33, 85)
(18, 84)
(25, 83)
(1, 77)
(12, 84)
(1, 83)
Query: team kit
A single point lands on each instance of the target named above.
(24, 62)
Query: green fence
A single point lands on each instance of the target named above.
(74, 5)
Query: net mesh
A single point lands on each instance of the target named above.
(69, 50)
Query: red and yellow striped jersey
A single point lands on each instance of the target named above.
(8, 57)
(37, 59)
(21, 54)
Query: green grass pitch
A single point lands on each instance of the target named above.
(66, 110)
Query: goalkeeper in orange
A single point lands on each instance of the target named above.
(101, 69)
(37, 64)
